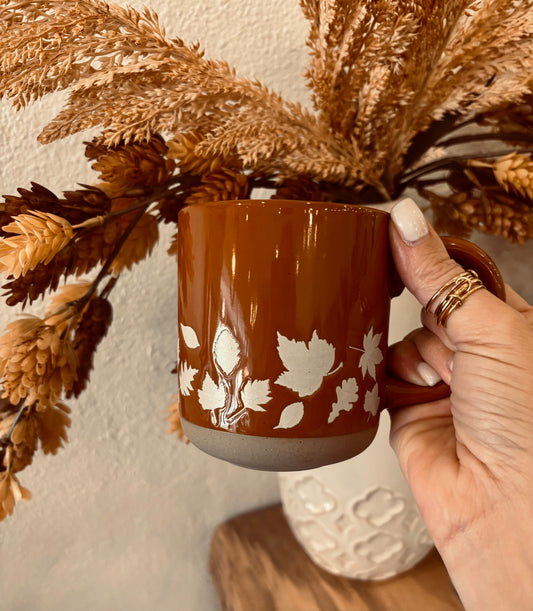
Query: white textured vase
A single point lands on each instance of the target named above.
(358, 518)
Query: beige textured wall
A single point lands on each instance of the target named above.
(121, 518)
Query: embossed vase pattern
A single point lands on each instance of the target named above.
(357, 518)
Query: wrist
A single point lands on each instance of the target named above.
(491, 562)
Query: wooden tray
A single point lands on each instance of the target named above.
(257, 565)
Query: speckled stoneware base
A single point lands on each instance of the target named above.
(276, 453)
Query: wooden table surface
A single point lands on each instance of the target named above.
(257, 565)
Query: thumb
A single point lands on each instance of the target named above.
(419, 254)
(424, 266)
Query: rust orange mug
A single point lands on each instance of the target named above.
(283, 316)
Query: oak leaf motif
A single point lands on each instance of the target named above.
(347, 395)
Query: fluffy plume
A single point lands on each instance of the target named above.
(402, 65)
(399, 65)
(112, 60)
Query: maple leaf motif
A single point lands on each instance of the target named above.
(185, 378)
(347, 395)
(211, 395)
(372, 400)
(255, 393)
(291, 416)
(372, 355)
(306, 365)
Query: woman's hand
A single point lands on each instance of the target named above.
(468, 458)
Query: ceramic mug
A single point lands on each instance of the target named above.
(283, 314)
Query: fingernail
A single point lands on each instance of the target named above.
(428, 374)
(409, 220)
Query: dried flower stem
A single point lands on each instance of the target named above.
(448, 162)
(107, 265)
(501, 136)
(95, 221)
(18, 416)
(164, 190)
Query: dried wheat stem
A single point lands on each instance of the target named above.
(107, 265)
(478, 163)
(18, 416)
(140, 207)
(108, 287)
(449, 162)
(161, 191)
(501, 136)
(95, 221)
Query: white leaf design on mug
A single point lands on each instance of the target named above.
(185, 378)
(211, 396)
(347, 395)
(226, 351)
(291, 416)
(372, 400)
(372, 355)
(255, 393)
(189, 336)
(307, 364)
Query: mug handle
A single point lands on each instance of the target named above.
(400, 393)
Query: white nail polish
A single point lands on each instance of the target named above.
(428, 374)
(409, 220)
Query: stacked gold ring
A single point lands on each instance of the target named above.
(453, 294)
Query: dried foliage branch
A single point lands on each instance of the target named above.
(112, 225)
(396, 86)
(42, 361)
(478, 200)
(114, 60)
(383, 72)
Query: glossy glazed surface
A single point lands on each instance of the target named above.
(283, 317)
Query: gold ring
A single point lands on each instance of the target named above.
(453, 294)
